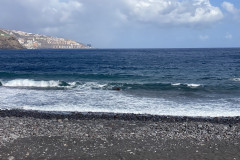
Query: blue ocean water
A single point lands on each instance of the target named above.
(189, 82)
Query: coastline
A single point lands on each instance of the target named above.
(114, 116)
(73, 135)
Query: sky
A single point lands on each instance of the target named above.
(129, 23)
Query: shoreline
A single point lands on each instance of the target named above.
(114, 116)
(74, 135)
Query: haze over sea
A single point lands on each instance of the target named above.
(181, 82)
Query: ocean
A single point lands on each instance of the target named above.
(177, 82)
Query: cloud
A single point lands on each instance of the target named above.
(174, 12)
(234, 13)
(40, 14)
(230, 8)
(53, 13)
(228, 36)
(105, 21)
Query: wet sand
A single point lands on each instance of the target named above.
(38, 135)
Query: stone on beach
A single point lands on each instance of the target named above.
(108, 136)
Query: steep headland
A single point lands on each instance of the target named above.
(9, 42)
(12, 39)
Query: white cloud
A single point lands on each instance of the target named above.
(104, 21)
(59, 11)
(53, 13)
(234, 13)
(47, 17)
(174, 12)
(230, 8)
(228, 36)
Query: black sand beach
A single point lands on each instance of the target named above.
(47, 135)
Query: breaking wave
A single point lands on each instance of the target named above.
(95, 85)
(52, 84)
(236, 79)
(57, 84)
(33, 83)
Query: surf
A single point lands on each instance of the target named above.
(34, 83)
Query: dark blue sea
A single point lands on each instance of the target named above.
(182, 82)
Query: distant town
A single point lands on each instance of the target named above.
(37, 41)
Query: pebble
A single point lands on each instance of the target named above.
(11, 158)
(120, 127)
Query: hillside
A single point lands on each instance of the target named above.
(9, 42)
(37, 41)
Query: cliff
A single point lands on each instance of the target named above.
(9, 42)
(37, 41)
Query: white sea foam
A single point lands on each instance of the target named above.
(52, 84)
(88, 85)
(193, 85)
(236, 79)
(176, 84)
(30, 83)
(83, 100)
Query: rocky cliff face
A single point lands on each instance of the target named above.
(9, 42)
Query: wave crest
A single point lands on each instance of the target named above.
(79, 85)
(236, 79)
(193, 85)
(33, 83)
(29, 83)
(94, 85)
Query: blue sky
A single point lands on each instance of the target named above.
(129, 23)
